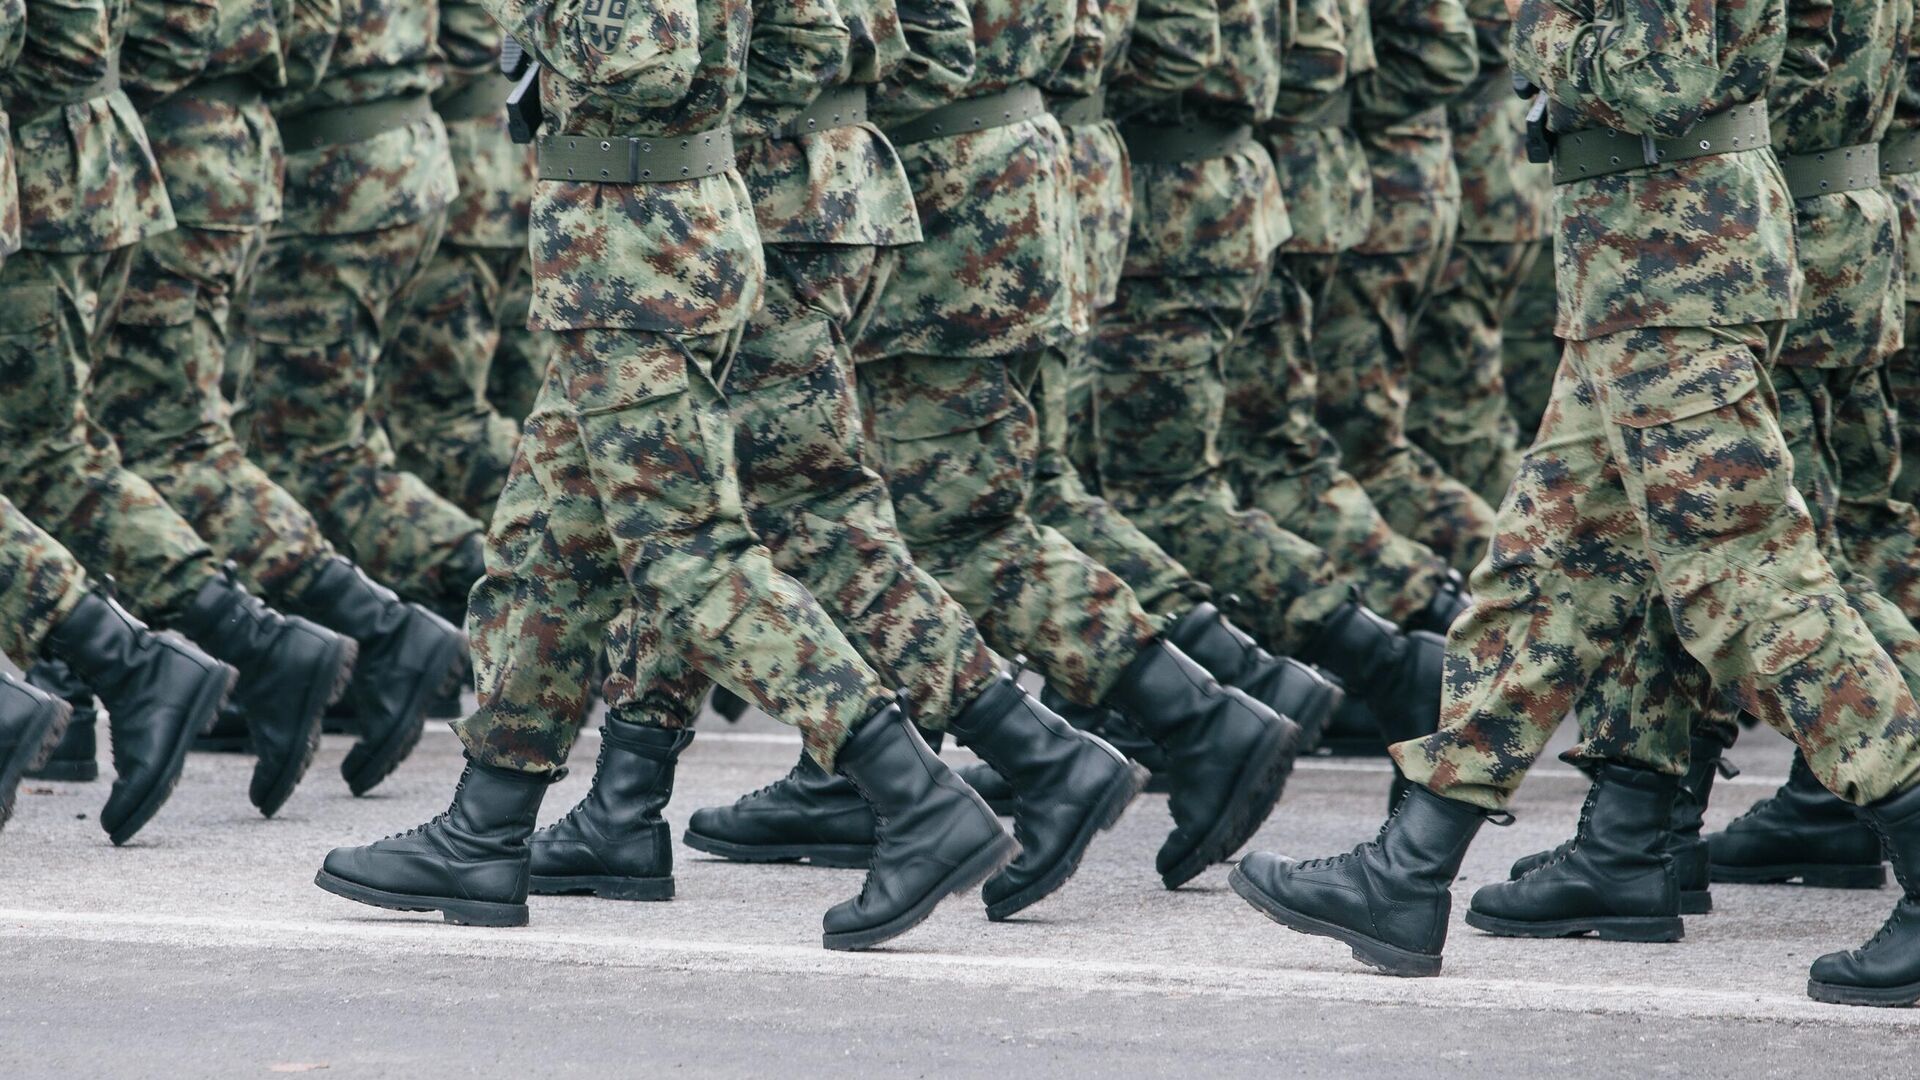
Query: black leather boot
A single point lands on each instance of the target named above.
(290, 671)
(1683, 843)
(159, 692)
(729, 705)
(31, 723)
(1228, 756)
(1397, 675)
(614, 844)
(1387, 899)
(1068, 786)
(449, 701)
(407, 654)
(1886, 970)
(229, 734)
(76, 758)
(1285, 685)
(1092, 719)
(1448, 602)
(1615, 878)
(807, 815)
(933, 836)
(1801, 833)
(470, 863)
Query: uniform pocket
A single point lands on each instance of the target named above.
(1691, 380)
(606, 371)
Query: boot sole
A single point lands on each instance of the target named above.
(458, 912)
(604, 887)
(1697, 902)
(1811, 875)
(72, 772)
(214, 687)
(1376, 954)
(836, 856)
(1879, 997)
(1255, 791)
(982, 864)
(320, 695)
(383, 759)
(43, 733)
(1656, 928)
(1119, 795)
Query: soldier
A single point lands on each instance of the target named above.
(86, 202)
(1660, 465)
(369, 179)
(829, 195)
(451, 328)
(1529, 353)
(1457, 409)
(647, 265)
(1364, 336)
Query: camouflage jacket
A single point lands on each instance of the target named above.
(1703, 242)
(679, 257)
(845, 185)
(1504, 198)
(13, 34)
(494, 173)
(1906, 189)
(1102, 176)
(1428, 56)
(1836, 87)
(1323, 170)
(87, 178)
(992, 276)
(222, 162)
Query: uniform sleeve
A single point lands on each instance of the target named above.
(644, 52)
(168, 45)
(1809, 55)
(1313, 63)
(1079, 71)
(1428, 56)
(13, 31)
(1648, 72)
(69, 46)
(469, 38)
(796, 48)
(1174, 43)
(940, 57)
(309, 30)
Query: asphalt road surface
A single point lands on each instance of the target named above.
(203, 949)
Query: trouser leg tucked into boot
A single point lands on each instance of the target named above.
(1886, 970)
(31, 723)
(1801, 833)
(1615, 878)
(470, 863)
(614, 844)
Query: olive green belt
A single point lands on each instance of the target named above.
(484, 95)
(230, 89)
(107, 84)
(998, 109)
(648, 159)
(1828, 172)
(839, 106)
(1333, 111)
(1194, 140)
(343, 124)
(1900, 152)
(1590, 152)
(1079, 111)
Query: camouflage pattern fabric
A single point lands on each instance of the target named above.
(40, 585)
(13, 34)
(1529, 351)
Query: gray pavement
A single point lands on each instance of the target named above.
(203, 949)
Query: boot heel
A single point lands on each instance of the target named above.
(1642, 930)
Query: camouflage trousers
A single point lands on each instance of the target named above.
(1062, 502)
(158, 390)
(958, 440)
(320, 320)
(1364, 347)
(520, 360)
(1458, 410)
(1661, 477)
(1878, 523)
(816, 503)
(61, 468)
(625, 492)
(1159, 402)
(40, 585)
(437, 367)
(1283, 462)
(1529, 353)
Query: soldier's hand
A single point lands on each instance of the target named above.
(1513, 9)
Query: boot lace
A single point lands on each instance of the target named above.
(437, 818)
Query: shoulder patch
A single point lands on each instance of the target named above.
(605, 22)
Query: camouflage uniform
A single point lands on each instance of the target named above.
(435, 371)
(624, 487)
(157, 388)
(1364, 336)
(13, 34)
(828, 205)
(368, 182)
(1282, 461)
(1458, 409)
(89, 191)
(949, 361)
(1529, 353)
(1660, 464)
